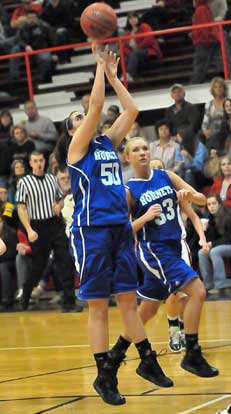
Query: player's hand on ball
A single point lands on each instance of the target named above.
(99, 55)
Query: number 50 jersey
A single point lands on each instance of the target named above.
(97, 186)
(157, 189)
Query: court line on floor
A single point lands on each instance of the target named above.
(204, 405)
(87, 346)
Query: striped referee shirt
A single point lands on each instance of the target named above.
(39, 194)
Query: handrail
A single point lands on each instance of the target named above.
(120, 40)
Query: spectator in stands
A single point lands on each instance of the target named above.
(222, 184)
(7, 208)
(5, 159)
(19, 15)
(40, 129)
(135, 131)
(52, 164)
(6, 122)
(34, 34)
(190, 157)
(18, 170)
(206, 42)
(60, 16)
(213, 113)
(164, 148)
(218, 235)
(139, 50)
(45, 229)
(218, 8)
(127, 171)
(7, 265)
(167, 13)
(113, 112)
(6, 39)
(182, 113)
(22, 146)
(222, 140)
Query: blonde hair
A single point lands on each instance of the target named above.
(222, 82)
(126, 148)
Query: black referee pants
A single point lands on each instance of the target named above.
(51, 236)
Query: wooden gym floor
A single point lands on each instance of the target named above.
(47, 366)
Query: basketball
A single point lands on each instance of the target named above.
(98, 20)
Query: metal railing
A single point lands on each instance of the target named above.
(28, 54)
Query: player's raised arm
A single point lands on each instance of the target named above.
(82, 128)
(124, 122)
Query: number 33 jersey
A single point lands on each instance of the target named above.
(97, 186)
(157, 189)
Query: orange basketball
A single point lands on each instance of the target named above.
(98, 20)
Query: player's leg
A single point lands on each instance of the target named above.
(134, 332)
(172, 308)
(193, 360)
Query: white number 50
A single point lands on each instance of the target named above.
(110, 173)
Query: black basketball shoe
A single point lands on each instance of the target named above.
(150, 370)
(195, 363)
(105, 385)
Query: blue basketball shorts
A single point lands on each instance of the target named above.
(105, 260)
(164, 269)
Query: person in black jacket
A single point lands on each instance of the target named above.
(217, 231)
(222, 140)
(182, 113)
(34, 34)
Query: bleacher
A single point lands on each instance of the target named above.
(76, 77)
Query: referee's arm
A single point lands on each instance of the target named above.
(25, 220)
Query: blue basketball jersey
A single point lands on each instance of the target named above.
(157, 189)
(97, 186)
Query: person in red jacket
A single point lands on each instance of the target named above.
(222, 185)
(138, 50)
(207, 43)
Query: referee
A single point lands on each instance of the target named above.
(40, 213)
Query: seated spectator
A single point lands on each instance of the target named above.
(127, 171)
(182, 114)
(138, 50)
(213, 113)
(222, 184)
(40, 129)
(22, 146)
(167, 13)
(59, 15)
(19, 14)
(6, 40)
(164, 148)
(7, 265)
(190, 157)
(135, 131)
(218, 8)
(5, 159)
(206, 42)
(52, 164)
(218, 235)
(33, 34)
(6, 123)
(222, 140)
(6, 207)
(18, 170)
(113, 112)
